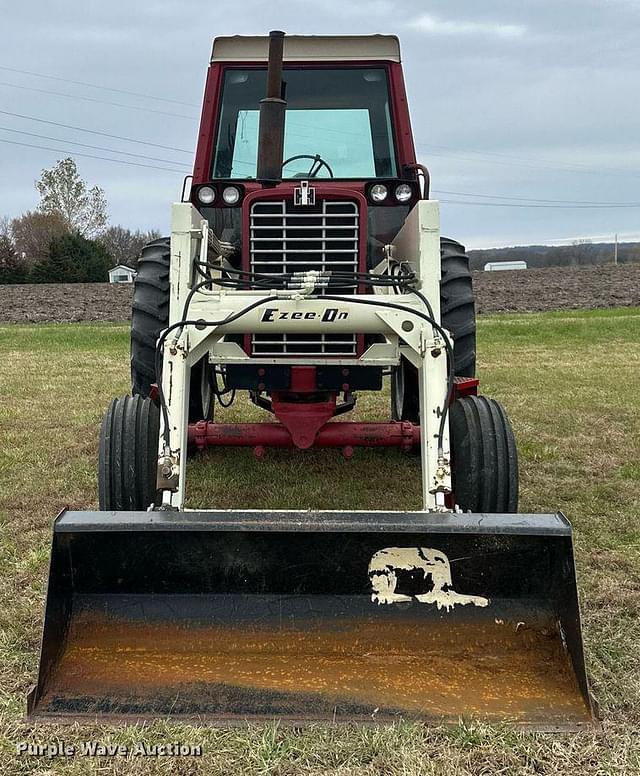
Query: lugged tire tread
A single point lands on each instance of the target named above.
(149, 316)
(149, 312)
(457, 305)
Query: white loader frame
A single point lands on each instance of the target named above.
(296, 311)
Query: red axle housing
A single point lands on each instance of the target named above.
(346, 435)
(308, 424)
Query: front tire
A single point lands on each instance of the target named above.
(458, 315)
(128, 454)
(484, 456)
(149, 316)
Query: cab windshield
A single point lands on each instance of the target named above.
(341, 115)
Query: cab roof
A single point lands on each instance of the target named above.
(311, 48)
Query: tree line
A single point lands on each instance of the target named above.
(66, 238)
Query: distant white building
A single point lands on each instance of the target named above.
(492, 266)
(122, 274)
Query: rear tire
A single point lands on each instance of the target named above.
(457, 306)
(484, 456)
(128, 454)
(149, 316)
(458, 315)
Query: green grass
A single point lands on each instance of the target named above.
(568, 381)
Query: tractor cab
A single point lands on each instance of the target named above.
(341, 120)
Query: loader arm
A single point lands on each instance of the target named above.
(401, 320)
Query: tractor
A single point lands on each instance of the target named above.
(305, 267)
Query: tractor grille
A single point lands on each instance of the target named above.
(286, 238)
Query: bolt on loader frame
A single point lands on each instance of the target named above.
(299, 288)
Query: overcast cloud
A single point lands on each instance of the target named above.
(536, 101)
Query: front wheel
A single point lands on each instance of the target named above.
(128, 454)
(484, 456)
(405, 393)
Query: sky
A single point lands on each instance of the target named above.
(527, 114)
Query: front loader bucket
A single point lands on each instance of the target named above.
(300, 616)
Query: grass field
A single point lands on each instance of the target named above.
(569, 381)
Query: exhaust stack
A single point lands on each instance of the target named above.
(272, 115)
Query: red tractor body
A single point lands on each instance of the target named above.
(345, 229)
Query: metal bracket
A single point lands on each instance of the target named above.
(168, 476)
(408, 327)
(442, 477)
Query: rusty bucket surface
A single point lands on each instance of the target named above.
(301, 616)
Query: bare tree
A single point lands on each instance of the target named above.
(64, 193)
(123, 245)
(33, 233)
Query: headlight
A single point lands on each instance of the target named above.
(403, 192)
(378, 193)
(206, 195)
(231, 195)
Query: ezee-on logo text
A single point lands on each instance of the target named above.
(329, 315)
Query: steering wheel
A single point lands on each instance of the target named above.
(318, 164)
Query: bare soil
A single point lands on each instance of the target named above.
(533, 290)
(557, 288)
